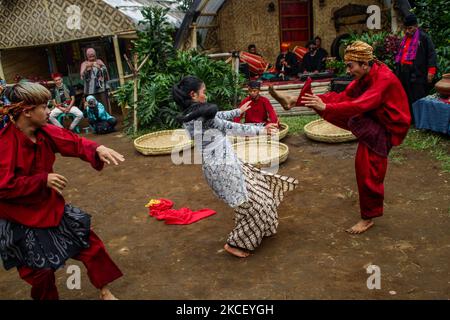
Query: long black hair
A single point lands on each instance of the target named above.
(181, 94)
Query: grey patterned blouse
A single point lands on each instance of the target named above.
(221, 166)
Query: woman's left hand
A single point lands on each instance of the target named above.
(313, 101)
(245, 106)
(109, 155)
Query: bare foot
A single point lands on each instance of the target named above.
(287, 102)
(360, 227)
(235, 251)
(105, 294)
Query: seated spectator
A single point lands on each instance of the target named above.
(261, 111)
(287, 63)
(252, 49)
(3, 102)
(312, 60)
(100, 120)
(321, 51)
(63, 99)
(253, 65)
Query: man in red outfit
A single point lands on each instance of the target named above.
(374, 107)
(261, 111)
(39, 232)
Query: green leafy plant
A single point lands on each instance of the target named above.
(338, 66)
(184, 5)
(434, 17)
(385, 44)
(155, 40)
(156, 109)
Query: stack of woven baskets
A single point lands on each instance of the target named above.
(321, 130)
(163, 142)
(262, 151)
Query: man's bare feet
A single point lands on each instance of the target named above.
(105, 294)
(287, 102)
(360, 227)
(235, 251)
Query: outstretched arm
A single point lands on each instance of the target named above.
(231, 115)
(369, 100)
(228, 115)
(237, 129)
(109, 155)
(71, 145)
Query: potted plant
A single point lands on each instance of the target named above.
(341, 79)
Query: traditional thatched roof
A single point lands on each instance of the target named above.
(26, 23)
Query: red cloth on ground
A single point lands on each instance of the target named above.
(307, 88)
(261, 111)
(24, 168)
(100, 268)
(163, 211)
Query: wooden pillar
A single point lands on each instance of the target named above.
(119, 69)
(235, 65)
(394, 19)
(135, 92)
(118, 59)
(2, 74)
(194, 36)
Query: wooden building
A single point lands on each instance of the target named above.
(39, 37)
(228, 25)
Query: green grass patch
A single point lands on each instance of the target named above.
(297, 123)
(396, 157)
(437, 145)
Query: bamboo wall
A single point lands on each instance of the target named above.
(245, 22)
(26, 23)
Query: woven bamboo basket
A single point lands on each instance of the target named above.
(282, 133)
(321, 130)
(284, 130)
(163, 142)
(261, 153)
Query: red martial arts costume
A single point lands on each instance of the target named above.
(261, 111)
(25, 200)
(375, 108)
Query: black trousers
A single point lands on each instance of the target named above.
(414, 90)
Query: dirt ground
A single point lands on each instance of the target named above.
(311, 257)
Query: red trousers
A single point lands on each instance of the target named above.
(370, 172)
(100, 269)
